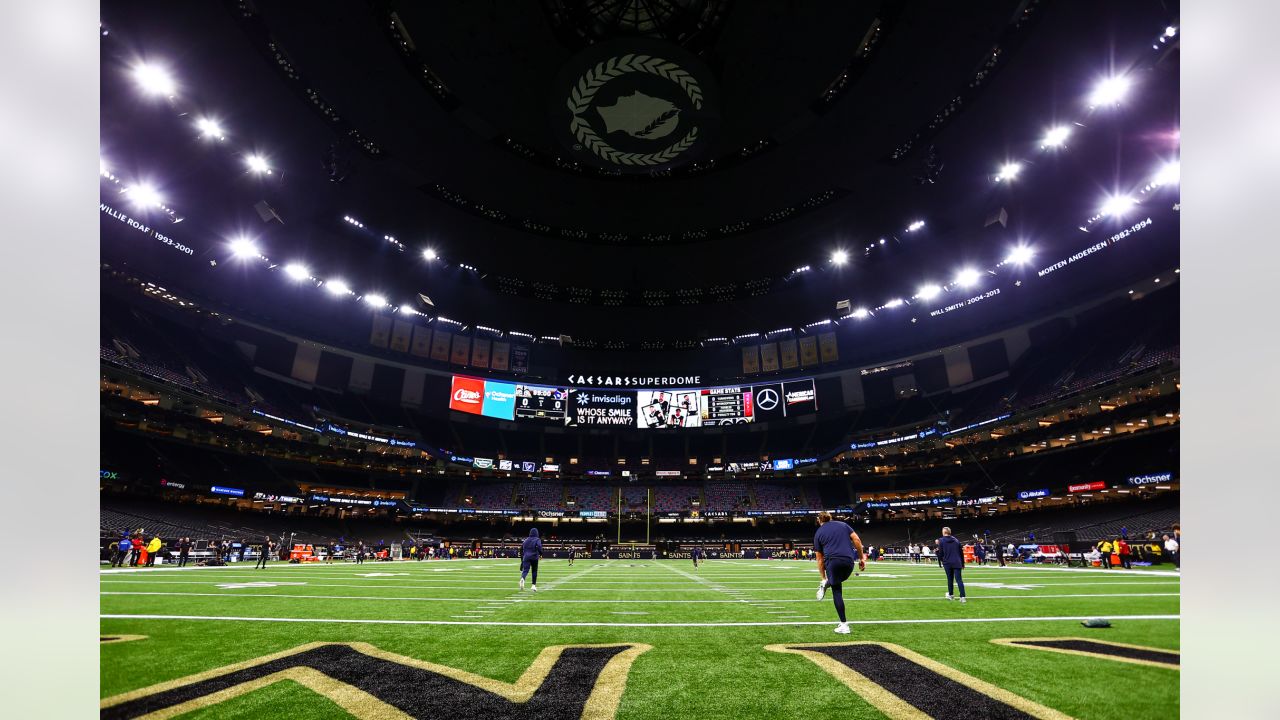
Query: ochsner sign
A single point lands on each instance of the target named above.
(1151, 479)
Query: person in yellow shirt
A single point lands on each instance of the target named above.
(153, 548)
(1105, 548)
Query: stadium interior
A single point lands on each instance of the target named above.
(662, 280)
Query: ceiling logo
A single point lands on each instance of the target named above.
(635, 106)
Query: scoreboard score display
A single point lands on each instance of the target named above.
(726, 406)
(537, 402)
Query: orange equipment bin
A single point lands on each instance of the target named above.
(303, 553)
(968, 554)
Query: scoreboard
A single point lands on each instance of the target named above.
(726, 406)
(537, 402)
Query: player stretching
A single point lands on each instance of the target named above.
(833, 545)
(951, 557)
(530, 552)
(697, 556)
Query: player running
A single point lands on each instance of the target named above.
(833, 545)
(530, 553)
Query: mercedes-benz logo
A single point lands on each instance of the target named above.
(767, 399)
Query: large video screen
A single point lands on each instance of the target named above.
(642, 409)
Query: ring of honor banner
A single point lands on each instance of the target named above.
(380, 334)
(520, 359)
(401, 331)
(769, 357)
(789, 353)
(751, 360)
(500, 358)
(480, 352)
(421, 345)
(440, 342)
(461, 350)
(808, 351)
(827, 343)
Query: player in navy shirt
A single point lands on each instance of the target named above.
(951, 557)
(834, 545)
(697, 556)
(530, 553)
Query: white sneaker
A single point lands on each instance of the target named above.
(521, 583)
(963, 601)
(842, 628)
(822, 589)
(535, 588)
(948, 594)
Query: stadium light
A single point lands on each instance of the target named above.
(1109, 91)
(209, 127)
(144, 196)
(376, 300)
(1170, 174)
(967, 277)
(337, 287)
(1116, 206)
(258, 164)
(430, 254)
(1020, 255)
(1056, 136)
(839, 257)
(297, 271)
(1170, 31)
(243, 247)
(896, 302)
(911, 228)
(1009, 171)
(154, 80)
(928, 292)
(860, 313)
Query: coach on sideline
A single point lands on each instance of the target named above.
(951, 557)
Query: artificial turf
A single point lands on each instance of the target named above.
(708, 630)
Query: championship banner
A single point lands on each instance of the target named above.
(751, 360)
(440, 342)
(790, 354)
(500, 358)
(381, 331)
(808, 351)
(401, 331)
(520, 359)
(480, 352)
(461, 350)
(769, 357)
(827, 342)
(421, 345)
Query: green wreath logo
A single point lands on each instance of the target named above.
(597, 77)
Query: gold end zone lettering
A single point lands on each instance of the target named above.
(905, 685)
(1103, 649)
(587, 683)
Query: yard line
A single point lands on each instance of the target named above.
(538, 601)
(508, 623)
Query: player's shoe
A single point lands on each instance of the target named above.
(948, 594)
(822, 589)
(963, 601)
(535, 589)
(521, 583)
(842, 628)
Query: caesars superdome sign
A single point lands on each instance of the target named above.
(635, 106)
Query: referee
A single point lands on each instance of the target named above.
(833, 545)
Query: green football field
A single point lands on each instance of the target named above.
(634, 639)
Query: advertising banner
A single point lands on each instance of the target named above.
(499, 400)
(467, 395)
(599, 408)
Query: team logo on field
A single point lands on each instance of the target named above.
(565, 682)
